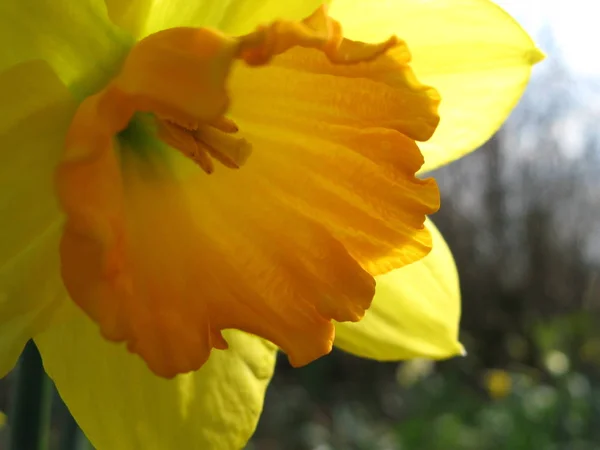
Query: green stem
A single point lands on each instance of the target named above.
(71, 436)
(31, 402)
(69, 431)
(83, 443)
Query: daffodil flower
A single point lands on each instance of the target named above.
(234, 175)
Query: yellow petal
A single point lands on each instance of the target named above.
(34, 115)
(415, 312)
(121, 405)
(75, 37)
(144, 17)
(471, 51)
(243, 16)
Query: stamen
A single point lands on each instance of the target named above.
(183, 140)
(228, 150)
(225, 125)
(200, 143)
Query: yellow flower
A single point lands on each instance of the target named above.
(173, 227)
(498, 383)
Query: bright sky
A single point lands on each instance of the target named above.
(575, 23)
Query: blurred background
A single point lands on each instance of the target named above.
(522, 217)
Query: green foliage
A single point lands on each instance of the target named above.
(558, 414)
(542, 393)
